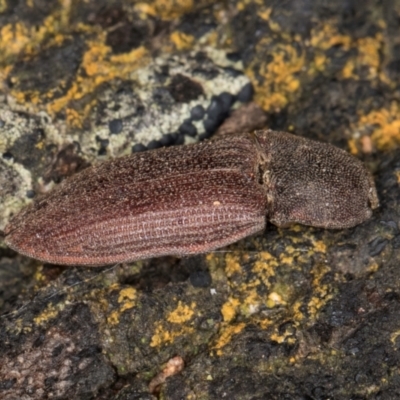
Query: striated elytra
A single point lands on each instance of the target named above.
(193, 199)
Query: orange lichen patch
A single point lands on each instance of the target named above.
(213, 260)
(182, 313)
(113, 318)
(393, 338)
(99, 66)
(74, 118)
(264, 14)
(226, 335)
(253, 300)
(232, 262)
(182, 41)
(297, 312)
(348, 69)
(387, 122)
(39, 278)
(229, 309)
(353, 148)
(275, 299)
(282, 337)
(50, 312)
(247, 302)
(17, 38)
(322, 292)
(328, 37)
(145, 9)
(373, 267)
(319, 246)
(280, 81)
(368, 55)
(320, 61)
(263, 322)
(3, 6)
(362, 144)
(265, 258)
(246, 299)
(4, 72)
(287, 257)
(167, 9)
(265, 266)
(397, 174)
(13, 39)
(296, 228)
(321, 40)
(163, 336)
(385, 126)
(126, 299)
(240, 5)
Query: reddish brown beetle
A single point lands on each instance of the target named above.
(193, 199)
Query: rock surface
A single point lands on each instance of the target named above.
(289, 314)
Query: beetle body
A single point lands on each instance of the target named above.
(193, 199)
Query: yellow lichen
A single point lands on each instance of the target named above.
(286, 259)
(182, 41)
(281, 337)
(397, 174)
(393, 337)
(373, 267)
(164, 334)
(320, 61)
(182, 313)
(232, 264)
(50, 312)
(322, 292)
(298, 315)
(14, 37)
(280, 80)
(384, 124)
(265, 267)
(326, 37)
(226, 335)
(275, 299)
(229, 309)
(352, 143)
(3, 6)
(100, 66)
(145, 9)
(319, 246)
(322, 39)
(126, 299)
(73, 117)
(17, 38)
(113, 318)
(368, 55)
(265, 14)
(171, 9)
(252, 300)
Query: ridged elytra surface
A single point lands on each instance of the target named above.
(177, 200)
(193, 199)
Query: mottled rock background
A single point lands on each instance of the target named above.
(295, 313)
